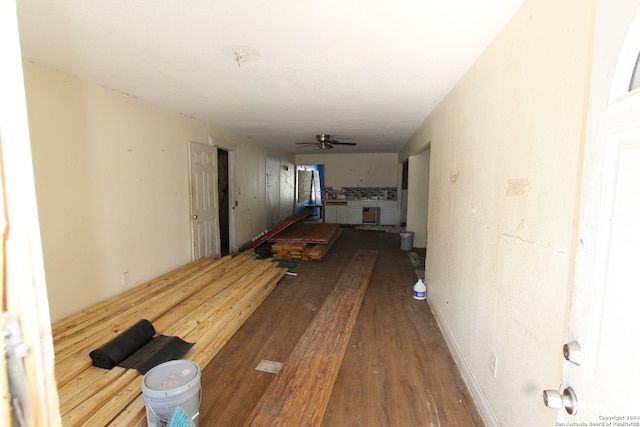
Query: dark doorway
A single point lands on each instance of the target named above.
(223, 200)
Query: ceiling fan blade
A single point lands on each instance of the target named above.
(307, 143)
(342, 143)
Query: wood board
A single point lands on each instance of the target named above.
(265, 235)
(305, 241)
(299, 394)
(307, 232)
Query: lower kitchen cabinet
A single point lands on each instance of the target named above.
(388, 215)
(355, 215)
(336, 212)
(350, 211)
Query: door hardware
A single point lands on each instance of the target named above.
(567, 400)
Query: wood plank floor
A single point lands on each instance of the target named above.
(397, 370)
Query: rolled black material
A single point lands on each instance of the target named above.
(159, 350)
(136, 348)
(123, 345)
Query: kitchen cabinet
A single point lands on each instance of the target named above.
(388, 215)
(330, 214)
(342, 216)
(355, 215)
(336, 212)
(350, 211)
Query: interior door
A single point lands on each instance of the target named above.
(601, 377)
(204, 205)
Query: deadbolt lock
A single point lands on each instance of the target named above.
(572, 352)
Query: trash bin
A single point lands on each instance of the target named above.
(406, 240)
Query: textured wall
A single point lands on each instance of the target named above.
(505, 161)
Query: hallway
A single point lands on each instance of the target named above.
(397, 370)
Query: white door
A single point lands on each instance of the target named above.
(204, 209)
(603, 369)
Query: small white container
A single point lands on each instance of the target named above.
(419, 290)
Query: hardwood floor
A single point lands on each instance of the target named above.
(397, 370)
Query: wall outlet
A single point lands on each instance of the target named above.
(493, 366)
(125, 278)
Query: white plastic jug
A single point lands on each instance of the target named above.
(419, 290)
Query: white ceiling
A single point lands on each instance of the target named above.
(363, 71)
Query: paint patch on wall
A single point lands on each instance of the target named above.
(454, 178)
(517, 187)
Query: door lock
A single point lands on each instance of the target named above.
(567, 400)
(572, 352)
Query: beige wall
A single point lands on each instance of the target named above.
(111, 176)
(506, 147)
(355, 170)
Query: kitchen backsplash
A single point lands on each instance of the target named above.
(390, 193)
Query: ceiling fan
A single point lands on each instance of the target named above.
(324, 142)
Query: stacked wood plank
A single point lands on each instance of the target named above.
(305, 241)
(285, 250)
(204, 302)
(300, 393)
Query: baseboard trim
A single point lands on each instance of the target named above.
(469, 379)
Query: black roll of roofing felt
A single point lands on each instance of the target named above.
(136, 348)
(160, 349)
(123, 345)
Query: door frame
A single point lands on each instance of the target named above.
(23, 278)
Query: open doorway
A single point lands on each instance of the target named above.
(310, 188)
(404, 179)
(223, 200)
(418, 195)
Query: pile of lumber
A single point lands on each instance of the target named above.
(204, 302)
(305, 241)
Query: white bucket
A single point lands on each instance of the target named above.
(170, 385)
